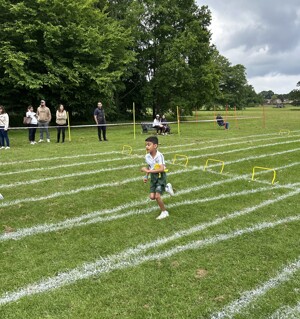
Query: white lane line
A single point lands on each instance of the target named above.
(129, 258)
(118, 183)
(248, 297)
(94, 217)
(287, 312)
(141, 157)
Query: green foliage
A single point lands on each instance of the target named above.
(157, 55)
(65, 51)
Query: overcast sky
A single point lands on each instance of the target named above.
(262, 35)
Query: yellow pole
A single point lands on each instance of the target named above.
(133, 113)
(178, 120)
(69, 127)
(264, 117)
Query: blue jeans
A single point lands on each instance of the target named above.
(44, 128)
(3, 136)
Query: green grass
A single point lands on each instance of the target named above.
(48, 184)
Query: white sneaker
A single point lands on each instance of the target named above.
(163, 215)
(7, 147)
(48, 140)
(2, 147)
(169, 189)
(40, 141)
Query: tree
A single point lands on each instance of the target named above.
(172, 42)
(62, 50)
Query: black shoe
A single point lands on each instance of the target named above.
(106, 140)
(100, 140)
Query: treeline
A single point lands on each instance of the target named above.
(157, 54)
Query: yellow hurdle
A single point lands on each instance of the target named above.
(127, 147)
(184, 156)
(214, 160)
(282, 132)
(267, 169)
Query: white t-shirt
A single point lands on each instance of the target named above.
(158, 159)
(32, 116)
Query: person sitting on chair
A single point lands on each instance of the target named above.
(157, 124)
(166, 127)
(221, 122)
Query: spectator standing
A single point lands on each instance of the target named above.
(99, 116)
(32, 125)
(4, 123)
(44, 118)
(61, 121)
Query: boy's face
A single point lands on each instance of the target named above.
(150, 147)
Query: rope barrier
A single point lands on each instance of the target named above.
(129, 124)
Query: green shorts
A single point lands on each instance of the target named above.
(158, 182)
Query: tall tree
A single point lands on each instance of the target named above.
(172, 42)
(63, 50)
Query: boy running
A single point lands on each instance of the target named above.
(158, 181)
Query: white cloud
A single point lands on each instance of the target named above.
(263, 36)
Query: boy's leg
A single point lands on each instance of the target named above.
(160, 202)
(164, 213)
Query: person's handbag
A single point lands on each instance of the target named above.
(26, 120)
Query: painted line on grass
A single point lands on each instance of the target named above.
(140, 156)
(96, 217)
(244, 149)
(123, 182)
(287, 312)
(129, 258)
(136, 156)
(47, 179)
(116, 152)
(78, 156)
(248, 297)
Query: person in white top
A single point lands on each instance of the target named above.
(157, 124)
(33, 124)
(4, 123)
(157, 169)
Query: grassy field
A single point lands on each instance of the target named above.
(80, 238)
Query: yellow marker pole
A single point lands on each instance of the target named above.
(69, 127)
(264, 117)
(133, 113)
(235, 117)
(178, 120)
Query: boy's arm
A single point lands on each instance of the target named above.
(159, 168)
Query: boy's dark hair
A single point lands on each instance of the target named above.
(152, 139)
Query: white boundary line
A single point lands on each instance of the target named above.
(123, 182)
(287, 312)
(248, 297)
(128, 258)
(161, 147)
(94, 217)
